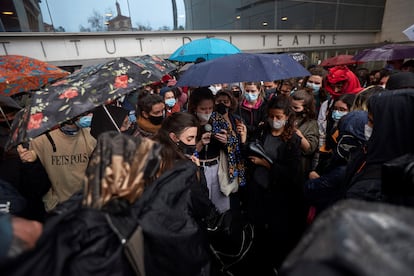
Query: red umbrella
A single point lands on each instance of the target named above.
(21, 73)
(339, 60)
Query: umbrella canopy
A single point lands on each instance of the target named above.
(339, 60)
(207, 48)
(386, 52)
(243, 67)
(81, 92)
(21, 73)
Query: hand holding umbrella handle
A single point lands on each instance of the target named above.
(26, 155)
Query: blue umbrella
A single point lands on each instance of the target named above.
(243, 67)
(207, 48)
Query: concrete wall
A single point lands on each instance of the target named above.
(398, 16)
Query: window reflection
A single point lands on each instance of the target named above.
(164, 15)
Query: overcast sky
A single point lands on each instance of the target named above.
(70, 14)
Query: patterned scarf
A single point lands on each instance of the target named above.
(234, 157)
(120, 167)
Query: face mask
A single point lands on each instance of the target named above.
(156, 120)
(270, 91)
(278, 124)
(251, 97)
(187, 150)
(300, 114)
(69, 129)
(203, 117)
(315, 87)
(337, 115)
(367, 132)
(170, 102)
(132, 118)
(84, 121)
(236, 94)
(214, 89)
(221, 108)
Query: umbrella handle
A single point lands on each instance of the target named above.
(112, 119)
(5, 117)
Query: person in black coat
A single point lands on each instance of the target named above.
(275, 204)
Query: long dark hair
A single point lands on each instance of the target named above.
(176, 123)
(197, 96)
(284, 103)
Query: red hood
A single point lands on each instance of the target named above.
(342, 73)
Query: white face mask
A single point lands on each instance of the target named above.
(278, 124)
(215, 88)
(203, 117)
(367, 132)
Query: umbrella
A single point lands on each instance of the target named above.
(339, 60)
(243, 67)
(386, 52)
(81, 92)
(8, 107)
(207, 48)
(21, 73)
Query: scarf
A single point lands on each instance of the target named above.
(174, 109)
(118, 169)
(234, 156)
(146, 125)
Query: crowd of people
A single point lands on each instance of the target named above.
(223, 180)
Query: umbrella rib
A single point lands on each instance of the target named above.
(5, 117)
(110, 117)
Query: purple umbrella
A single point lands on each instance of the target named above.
(386, 52)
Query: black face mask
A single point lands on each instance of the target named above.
(236, 94)
(300, 114)
(156, 120)
(221, 108)
(270, 91)
(186, 149)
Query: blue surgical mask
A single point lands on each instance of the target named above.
(337, 115)
(170, 102)
(132, 118)
(84, 121)
(69, 129)
(251, 97)
(315, 87)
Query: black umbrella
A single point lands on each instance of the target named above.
(81, 92)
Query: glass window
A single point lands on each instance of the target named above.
(162, 15)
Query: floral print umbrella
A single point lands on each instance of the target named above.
(21, 73)
(81, 92)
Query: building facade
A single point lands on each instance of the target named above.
(318, 28)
